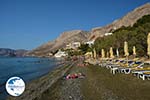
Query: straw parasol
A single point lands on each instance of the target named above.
(117, 52)
(111, 52)
(89, 54)
(134, 51)
(148, 44)
(103, 53)
(126, 49)
(94, 54)
(107, 54)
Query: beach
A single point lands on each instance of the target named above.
(35, 88)
(98, 84)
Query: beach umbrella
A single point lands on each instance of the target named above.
(94, 53)
(134, 50)
(111, 52)
(89, 54)
(117, 52)
(103, 53)
(148, 44)
(107, 54)
(126, 48)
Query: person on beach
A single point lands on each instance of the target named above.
(74, 76)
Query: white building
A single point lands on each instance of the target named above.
(60, 54)
(73, 45)
(90, 42)
(106, 34)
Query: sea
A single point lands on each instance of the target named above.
(27, 68)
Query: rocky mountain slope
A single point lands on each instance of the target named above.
(81, 36)
(127, 20)
(12, 53)
(64, 39)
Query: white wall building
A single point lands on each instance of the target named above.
(60, 54)
(90, 42)
(106, 34)
(73, 45)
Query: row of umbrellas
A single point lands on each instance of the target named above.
(126, 53)
(117, 51)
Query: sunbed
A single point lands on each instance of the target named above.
(114, 68)
(145, 75)
(131, 65)
(142, 72)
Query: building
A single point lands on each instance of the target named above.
(90, 42)
(106, 34)
(73, 45)
(60, 54)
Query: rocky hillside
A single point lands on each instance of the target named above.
(12, 53)
(127, 20)
(81, 36)
(64, 39)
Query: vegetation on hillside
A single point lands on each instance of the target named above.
(135, 36)
(79, 51)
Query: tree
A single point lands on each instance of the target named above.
(84, 48)
(135, 35)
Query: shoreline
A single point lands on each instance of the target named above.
(98, 84)
(35, 88)
(34, 69)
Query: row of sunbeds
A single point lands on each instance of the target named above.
(137, 68)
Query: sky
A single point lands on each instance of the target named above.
(27, 24)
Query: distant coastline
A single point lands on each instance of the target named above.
(6, 52)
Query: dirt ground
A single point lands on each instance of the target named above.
(98, 84)
(65, 89)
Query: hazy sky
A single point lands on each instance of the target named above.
(26, 24)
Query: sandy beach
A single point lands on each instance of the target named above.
(35, 88)
(98, 84)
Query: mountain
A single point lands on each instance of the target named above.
(12, 53)
(82, 36)
(64, 39)
(127, 20)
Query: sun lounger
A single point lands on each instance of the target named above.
(131, 65)
(145, 75)
(142, 72)
(114, 68)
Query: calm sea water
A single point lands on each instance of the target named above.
(26, 68)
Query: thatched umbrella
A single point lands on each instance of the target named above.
(94, 53)
(88, 54)
(111, 52)
(117, 52)
(126, 50)
(134, 51)
(107, 54)
(103, 53)
(148, 44)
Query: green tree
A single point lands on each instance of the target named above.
(135, 36)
